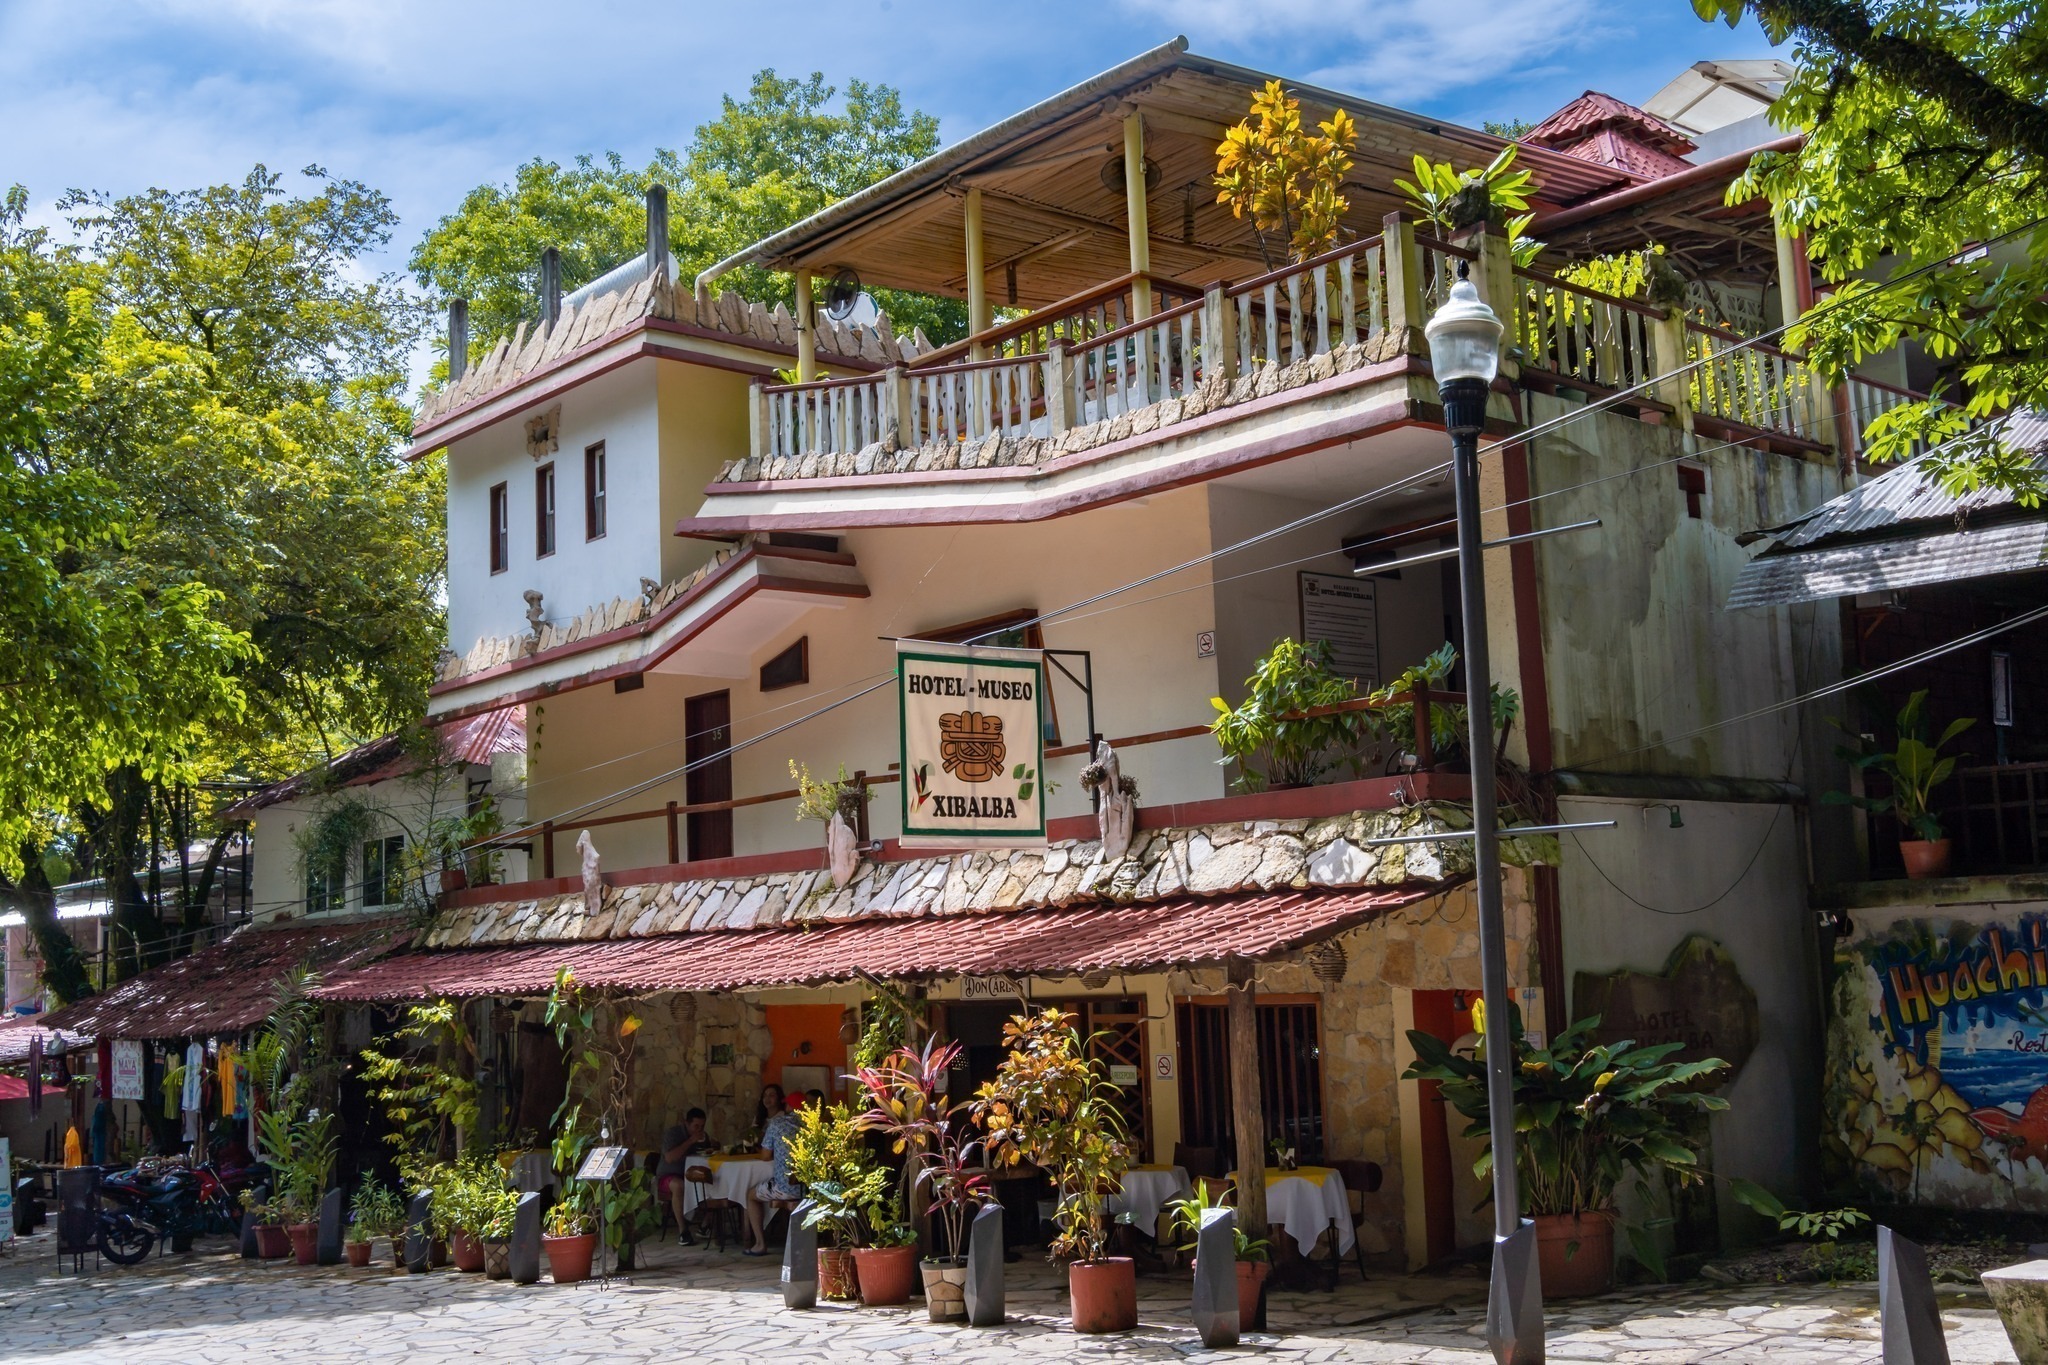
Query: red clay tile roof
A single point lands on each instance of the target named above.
(1184, 932)
(1606, 131)
(226, 988)
(475, 740)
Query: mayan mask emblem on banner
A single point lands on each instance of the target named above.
(973, 745)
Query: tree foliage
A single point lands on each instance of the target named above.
(1926, 134)
(1273, 169)
(215, 565)
(785, 151)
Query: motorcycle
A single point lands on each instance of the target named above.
(159, 1200)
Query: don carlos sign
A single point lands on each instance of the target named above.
(973, 745)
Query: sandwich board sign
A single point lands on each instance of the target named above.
(973, 745)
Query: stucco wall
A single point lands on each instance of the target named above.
(278, 874)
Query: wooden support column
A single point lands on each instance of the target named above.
(978, 320)
(1136, 215)
(1248, 1116)
(806, 336)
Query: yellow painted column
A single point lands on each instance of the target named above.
(978, 319)
(806, 336)
(1136, 214)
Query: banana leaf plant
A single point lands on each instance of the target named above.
(906, 1095)
(1588, 1117)
(1913, 766)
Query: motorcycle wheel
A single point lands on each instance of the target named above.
(125, 1241)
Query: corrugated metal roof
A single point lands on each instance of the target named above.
(1593, 111)
(1859, 566)
(1897, 498)
(18, 1031)
(226, 988)
(1183, 932)
(475, 740)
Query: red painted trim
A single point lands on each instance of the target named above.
(1304, 803)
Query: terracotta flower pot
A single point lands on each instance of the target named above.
(1251, 1278)
(305, 1239)
(569, 1257)
(453, 879)
(466, 1251)
(497, 1260)
(358, 1253)
(886, 1274)
(945, 1289)
(1576, 1253)
(1104, 1293)
(835, 1275)
(1925, 858)
(273, 1243)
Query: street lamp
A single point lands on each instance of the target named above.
(1464, 352)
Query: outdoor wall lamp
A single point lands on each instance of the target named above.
(1464, 353)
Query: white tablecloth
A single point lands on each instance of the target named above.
(1307, 1207)
(733, 1178)
(1146, 1191)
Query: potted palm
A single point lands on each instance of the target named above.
(1052, 1106)
(1914, 769)
(1587, 1117)
(905, 1093)
(1254, 1254)
(842, 1182)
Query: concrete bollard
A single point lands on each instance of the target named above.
(256, 1196)
(800, 1261)
(1215, 1308)
(1909, 1321)
(419, 1232)
(984, 1290)
(328, 1247)
(524, 1256)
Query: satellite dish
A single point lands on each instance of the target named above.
(842, 294)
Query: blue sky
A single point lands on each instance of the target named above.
(426, 99)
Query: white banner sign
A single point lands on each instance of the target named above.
(127, 1070)
(973, 746)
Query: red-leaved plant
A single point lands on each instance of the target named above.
(906, 1097)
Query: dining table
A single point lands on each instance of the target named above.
(732, 1178)
(1146, 1192)
(1304, 1202)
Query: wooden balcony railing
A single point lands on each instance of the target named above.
(544, 832)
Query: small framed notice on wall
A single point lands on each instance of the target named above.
(1344, 611)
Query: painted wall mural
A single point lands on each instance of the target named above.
(1938, 1062)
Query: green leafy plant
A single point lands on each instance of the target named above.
(1496, 193)
(1588, 1116)
(572, 1215)
(1395, 720)
(821, 800)
(1278, 718)
(418, 1075)
(1913, 767)
(1825, 1226)
(1185, 1219)
(374, 1212)
(627, 1203)
(596, 1037)
(1287, 179)
(830, 1159)
(1052, 1105)
(327, 843)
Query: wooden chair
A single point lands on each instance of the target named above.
(1361, 1178)
(717, 1219)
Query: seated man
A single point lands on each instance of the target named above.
(681, 1142)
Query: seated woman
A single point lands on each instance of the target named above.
(681, 1142)
(778, 1189)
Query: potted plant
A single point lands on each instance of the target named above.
(1275, 719)
(272, 1242)
(835, 803)
(1587, 1117)
(629, 1214)
(1914, 769)
(570, 1237)
(1254, 1254)
(905, 1092)
(463, 1201)
(886, 1267)
(829, 1159)
(495, 1231)
(1052, 1106)
(373, 1213)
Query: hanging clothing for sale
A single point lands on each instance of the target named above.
(103, 1078)
(192, 1126)
(195, 1075)
(74, 1147)
(35, 1076)
(230, 1077)
(102, 1132)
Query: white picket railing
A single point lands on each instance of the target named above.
(1290, 314)
(1133, 367)
(1753, 384)
(825, 417)
(1576, 333)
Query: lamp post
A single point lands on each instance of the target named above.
(1464, 353)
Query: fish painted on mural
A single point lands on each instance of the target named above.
(2024, 1134)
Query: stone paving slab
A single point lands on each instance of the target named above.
(703, 1306)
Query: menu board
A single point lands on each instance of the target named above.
(1344, 611)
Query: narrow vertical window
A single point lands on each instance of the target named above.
(544, 510)
(593, 492)
(501, 529)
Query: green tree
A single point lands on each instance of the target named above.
(208, 398)
(1925, 135)
(771, 159)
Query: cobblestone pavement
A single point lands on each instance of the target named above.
(692, 1304)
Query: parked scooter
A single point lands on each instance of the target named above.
(160, 1200)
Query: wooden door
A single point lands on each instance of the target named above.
(707, 721)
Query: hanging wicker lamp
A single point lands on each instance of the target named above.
(1329, 961)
